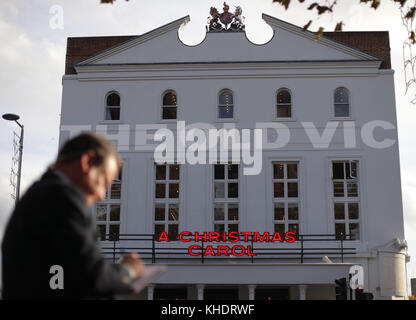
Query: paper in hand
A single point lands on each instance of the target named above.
(151, 272)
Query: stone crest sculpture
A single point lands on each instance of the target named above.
(225, 21)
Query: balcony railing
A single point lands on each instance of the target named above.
(304, 248)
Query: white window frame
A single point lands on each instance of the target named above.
(105, 120)
(218, 105)
(108, 202)
(164, 106)
(276, 104)
(346, 199)
(166, 201)
(333, 116)
(226, 201)
(286, 200)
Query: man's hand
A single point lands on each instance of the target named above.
(133, 262)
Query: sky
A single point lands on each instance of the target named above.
(33, 35)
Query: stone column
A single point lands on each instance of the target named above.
(251, 291)
(302, 292)
(150, 289)
(200, 291)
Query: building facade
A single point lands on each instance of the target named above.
(326, 169)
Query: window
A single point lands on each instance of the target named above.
(345, 185)
(166, 203)
(170, 105)
(283, 104)
(107, 212)
(341, 103)
(286, 197)
(226, 105)
(112, 110)
(226, 198)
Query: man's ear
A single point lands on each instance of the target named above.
(85, 162)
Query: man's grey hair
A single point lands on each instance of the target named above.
(73, 149)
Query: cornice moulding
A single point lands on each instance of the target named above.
(213, 66)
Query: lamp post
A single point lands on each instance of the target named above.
(15, 117)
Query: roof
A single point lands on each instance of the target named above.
(375, 43)
(80, 48)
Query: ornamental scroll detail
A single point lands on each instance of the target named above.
(225, 21)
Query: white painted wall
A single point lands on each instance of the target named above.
(254, 86)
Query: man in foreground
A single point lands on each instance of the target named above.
(52, 225)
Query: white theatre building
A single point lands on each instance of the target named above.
(327, 166)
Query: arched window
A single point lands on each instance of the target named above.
(170, 105)
(112, 110)
(341, 103)
(283, 104)
(225, 104)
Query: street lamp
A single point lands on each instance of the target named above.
(15, 117)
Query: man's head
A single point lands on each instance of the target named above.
(91, 163)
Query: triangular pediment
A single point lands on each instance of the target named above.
(289, 43)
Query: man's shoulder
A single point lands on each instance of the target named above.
(51, 188)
